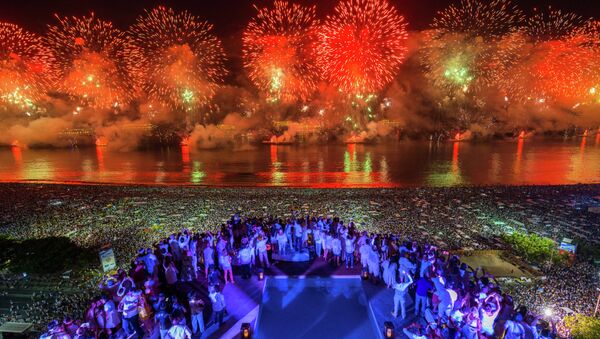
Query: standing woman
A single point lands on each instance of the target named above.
(472, 327)
(261, 247)
(385, 265)
(384, 248)
(328, 245)
(393, 273)
(209, 257)
(225, 262)
(281, 242)
(374, 268)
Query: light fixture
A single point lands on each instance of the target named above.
(245, 330)
(261, 274)
(389, 329)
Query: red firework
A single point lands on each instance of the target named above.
(561, 64)
(278, 51)
(90, 57)
(26, 67)
(176, 57)
(362, 45)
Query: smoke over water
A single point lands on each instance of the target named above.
(164, 80)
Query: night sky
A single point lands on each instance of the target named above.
(230, 16)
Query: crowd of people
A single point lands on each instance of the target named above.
(129, 218)
(451, 299)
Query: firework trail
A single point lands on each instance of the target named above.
(362, 45)
(176, 58)
(26, 69)
(89, 54)
(278, 51)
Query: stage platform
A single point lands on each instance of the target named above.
(289, 256)
(314, 307)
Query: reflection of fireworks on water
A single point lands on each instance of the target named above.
(89, 55)
(362, 45)
(26, 68)
(176, 58)
(278, 51)
(472, 44)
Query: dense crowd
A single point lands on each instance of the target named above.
(453, 299)
(132, 217)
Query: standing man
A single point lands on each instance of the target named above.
(350, 251)
(423, 287)
(245, 258)
(129, 307)
(163, 318)
(400, 294)
(298, 236)
(197, 313)
(218, 304)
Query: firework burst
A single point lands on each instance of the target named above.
(488, 20)
(278, 45)
(89, 55)
(472, 45)
(561, 64)
(26, 68)
(552, 25)
(176, 58)
(362, 45)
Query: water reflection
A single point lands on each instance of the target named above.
(355, 165)
(100, 158)
(17, 155)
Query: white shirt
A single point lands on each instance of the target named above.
(261, 245)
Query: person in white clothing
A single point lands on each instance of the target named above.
(209, 258)
(336, 246)
(328, 246)
(225, 263)
(318, 236)
(261, 247)
(374, 268)
(401, 293)
(364, 251)
(488, 314)
(349, 242)
(281, 242)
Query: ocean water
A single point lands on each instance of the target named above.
(399, 164)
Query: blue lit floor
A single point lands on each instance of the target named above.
(314, 307)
